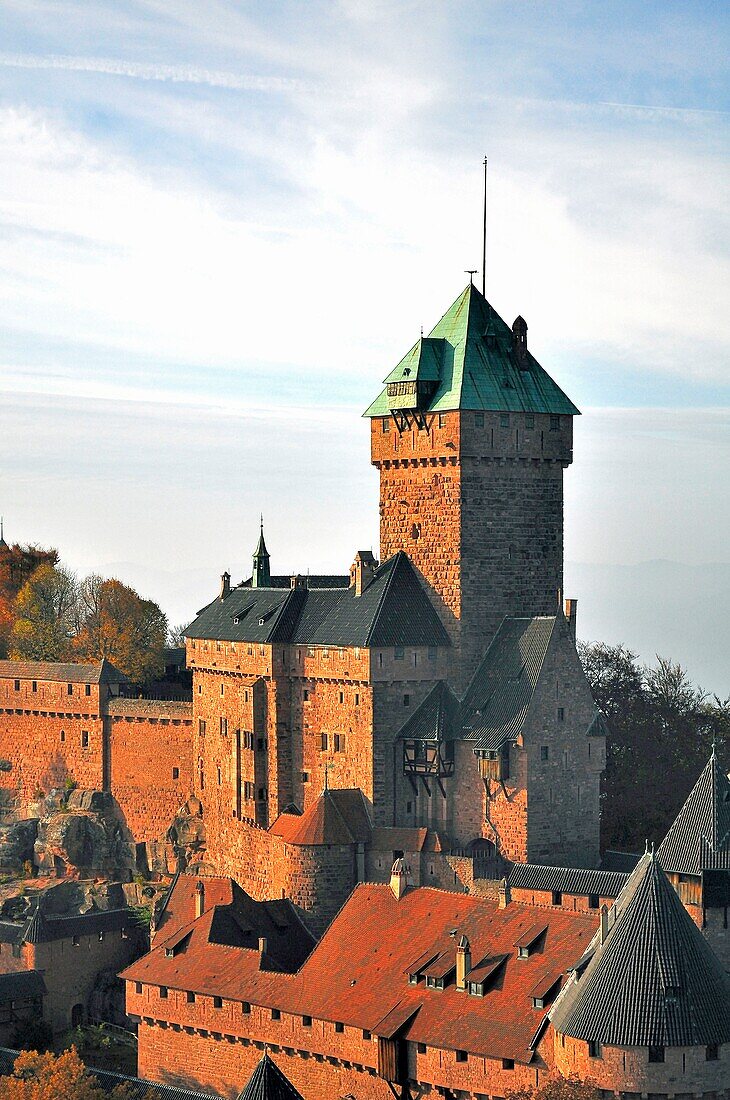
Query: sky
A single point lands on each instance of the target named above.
(222, 224)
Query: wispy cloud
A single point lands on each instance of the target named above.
(177, 74)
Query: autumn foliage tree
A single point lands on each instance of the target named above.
(17, 565)
(118, 624)
(558, 1088)
(50, 1077)
(46, 615)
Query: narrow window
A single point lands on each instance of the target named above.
(594, 1049)
(163, 992)
(385, 424)
(63, 735)
(462, 1056)
(34, 685)
(561, 714)
(421, 1048)
(245, 1008)
(339, 1028)
(555, 427)
(224, 727)
(504, 420)
(380, 660)
(305, 695)
(324, 738)
(175, 773)
(544, 752)
(478, 420)
(218, 770)
(366, 1036)
(76, 941)
(530, 420)
(69, 689)
(137, 987)
(342, 697)
(263, 794)
(409, 807)
(17, 685)
(305, 777)
(557, 897)
(442, 420)
(593, 901)
(406, 700)
(190, 998)
(326, 653)
(84, 739)
(712, 1052)
(275, 1014)
(217, 1002)
(432, 653)
(357, 699)
(201, 727)
(398, 653)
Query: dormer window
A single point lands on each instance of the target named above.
(476, 989)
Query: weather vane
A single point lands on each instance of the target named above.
(471, 273)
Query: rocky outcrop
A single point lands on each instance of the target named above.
(184, 846)
(82, 837)
(16, 844)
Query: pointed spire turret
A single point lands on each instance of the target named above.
(261, 577)
(3, 544)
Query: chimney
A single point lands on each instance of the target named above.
(604, 923)
(263, 944)
(297, 581)
(463, 963)
(199, 899)
(519, 343)
(362, 571)
(571, 614)
(225, 585)
(399, 877)
(505, 894)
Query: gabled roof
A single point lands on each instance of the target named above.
(435, 718)
(654, 981)
(393, 610)
(498, 698)
(566, 880)
(336, 817)
(102, 672)
(699, 837)
(477, 371)
(21, 985)
(267, 1082)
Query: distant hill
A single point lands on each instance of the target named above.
(679, 611)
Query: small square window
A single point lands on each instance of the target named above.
(175, 773)
(163, 992)
(712, 1052)
(385, 424)
(305, 777)
(76, 941)
(275, 1014)
(245, 1008)
(305, 695)
(442, 420)
(504, 420)
(508, 1063)
(398, 653)
(593, 901)
(530, 420)
(190, 998)
(137, 987)
(217, 1002)
(557, 897)
(461, 1056)
(478, 420)
(656, 1054)
(544, 752)
(366, 1036)
(594, 1049)
(432, 653)
(306, 1021)
(339, 1028)
(421, 1048)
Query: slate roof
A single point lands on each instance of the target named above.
(24, 985)
(619, 861)
(358, 973)
(654, 981)
(314, 580)
(44, 929)
(474, 372)
(137, 1088)
(399, 838)
(393, 610)
(103, 672)
(267, 1082)
(437, 717)
(336, 817)
(498, 698)
(566, 880)
(699, 837)
(174, 709)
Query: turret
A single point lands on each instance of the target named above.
(261, 576)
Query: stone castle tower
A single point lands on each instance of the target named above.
(471, 437)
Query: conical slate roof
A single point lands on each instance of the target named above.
(654, 981)
(470, 353)
(267, 1082)
(699, 838)
(36, 930)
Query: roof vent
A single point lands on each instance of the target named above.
(400, 878)
(519, 343)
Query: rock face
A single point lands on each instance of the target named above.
(83, 837)
(16, 844)
(184, 846)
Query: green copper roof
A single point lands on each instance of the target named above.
(471, 349)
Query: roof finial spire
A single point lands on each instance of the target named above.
(261, 577)
(471, 272)
(484, 235)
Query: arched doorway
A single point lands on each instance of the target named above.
(77, 1015)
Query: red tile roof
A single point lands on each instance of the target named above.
(337, 817)
(358, 973)
(179, 909)
(404, 839)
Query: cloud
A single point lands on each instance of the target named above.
(177, 74)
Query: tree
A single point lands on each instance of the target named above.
(658, 722)
(176, 635)
(45, 615)
(17, 564)
(116, 623)
(50, 1077)
(558, 1088)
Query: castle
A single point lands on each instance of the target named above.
(354, 742)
